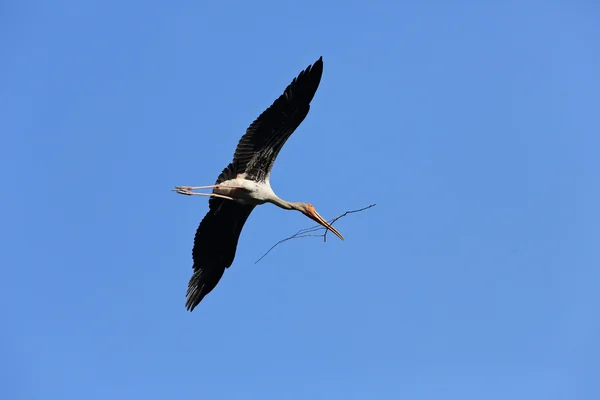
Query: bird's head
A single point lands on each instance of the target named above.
(308, 210)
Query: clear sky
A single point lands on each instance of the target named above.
(474, 126)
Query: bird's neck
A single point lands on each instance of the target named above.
(286, 205)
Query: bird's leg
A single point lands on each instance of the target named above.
(212, 195)
(189, 193)
(187, 190)
(209, 187)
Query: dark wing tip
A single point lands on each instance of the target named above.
(199, 286)
(194, 294)
(308, 80)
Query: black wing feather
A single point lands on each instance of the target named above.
(258, 148)
(215, 245)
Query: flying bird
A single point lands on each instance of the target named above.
(244, 184)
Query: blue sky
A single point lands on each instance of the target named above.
(473, 126)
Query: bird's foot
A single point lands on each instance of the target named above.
(187, 190)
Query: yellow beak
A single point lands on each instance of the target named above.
(315, 215)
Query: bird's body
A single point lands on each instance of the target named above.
(244, 184)
(246, 191)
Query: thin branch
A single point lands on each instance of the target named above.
(308, 232)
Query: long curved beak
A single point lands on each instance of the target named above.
(315, 215)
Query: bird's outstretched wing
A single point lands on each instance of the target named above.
(258, 148)
(215, 245)
(217, 235)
